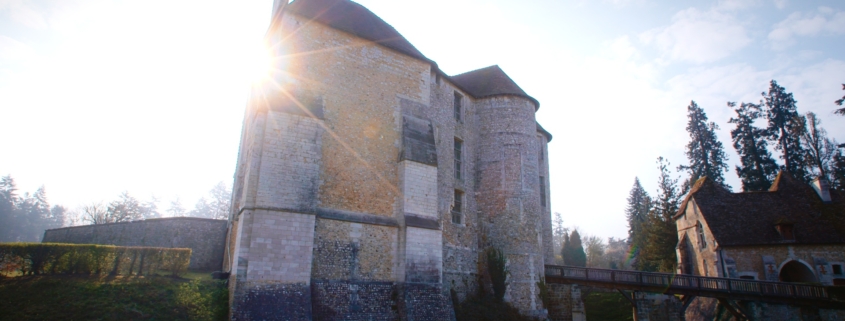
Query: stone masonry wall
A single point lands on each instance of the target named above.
(508, 166)
(819, 258)
(205, 237)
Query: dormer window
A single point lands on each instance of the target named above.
(786, 232)
(702, 239)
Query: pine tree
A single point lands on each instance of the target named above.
(573, 251)
(758, 168)
(8, 208)
(840, 111)
(639, 204)
(785, 129)
(837, 172)
(819, 149)
(705, 152)
(658, 254)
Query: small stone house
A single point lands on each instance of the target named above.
(794, 232)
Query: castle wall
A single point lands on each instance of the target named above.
(460, 240)
(205, 237)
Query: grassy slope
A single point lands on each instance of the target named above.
(607, 306)
(106, 298)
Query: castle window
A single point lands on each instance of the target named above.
(837, 269)
(542, 191)
(786, 232)
(459, 146)
(701, 237)
(457, 208)
(458, 98)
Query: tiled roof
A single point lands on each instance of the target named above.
(749, 218)
(354, 18)
(490, 81)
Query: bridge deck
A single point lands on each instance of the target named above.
(667, 283)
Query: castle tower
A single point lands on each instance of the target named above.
(513, 207)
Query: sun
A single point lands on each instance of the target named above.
(259, 64)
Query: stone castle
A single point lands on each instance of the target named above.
(370, 184)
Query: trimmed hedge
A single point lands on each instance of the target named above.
(60, 258)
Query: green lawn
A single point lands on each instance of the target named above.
(60, 297)
(607, 306)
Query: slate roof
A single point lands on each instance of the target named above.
(749, 218)
(354, 18)
(490, 81)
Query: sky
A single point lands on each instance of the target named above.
(98, 97)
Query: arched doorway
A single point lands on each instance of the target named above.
(686, 256)
(795, 271)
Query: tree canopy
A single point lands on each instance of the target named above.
(758, 168)
(785, 129)
(704, 151)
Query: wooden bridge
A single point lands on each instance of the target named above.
(690, 286)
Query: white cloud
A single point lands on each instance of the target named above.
(699, 36)
(780, 4)
(23, 14)
(11, 49)
(824, 20)
(737, 4)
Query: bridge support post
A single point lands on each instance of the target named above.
(639, 306)
(735, 311)
(685, 302)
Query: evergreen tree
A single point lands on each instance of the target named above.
(658, 254)
(639, 204)
(785, 129)
(840, 111)
(573, 250)
(819, 149)
(837, 172)
(8, 208)
(24, 218)
(705, 152)
(758, 168)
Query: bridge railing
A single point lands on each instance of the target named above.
(688, 282)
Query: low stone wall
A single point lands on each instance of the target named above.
(205, 237)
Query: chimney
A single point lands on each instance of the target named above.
(822, 187)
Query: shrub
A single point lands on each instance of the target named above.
(58, 258)
(498, 269)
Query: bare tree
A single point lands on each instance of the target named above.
(819, 149)
(176, 208)
(594, 246)
(95, 213)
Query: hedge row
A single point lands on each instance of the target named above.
(60, 258)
